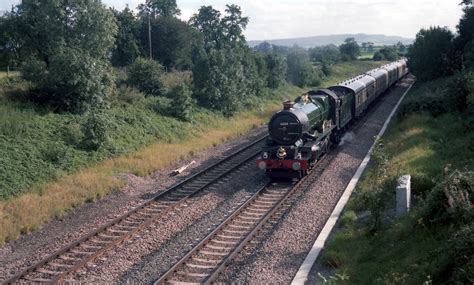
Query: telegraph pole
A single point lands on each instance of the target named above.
(149, 35)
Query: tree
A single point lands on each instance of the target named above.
(225, 74)
(72, 42)
(300, 72)
(208, 22)
(146, 75)
(327, 54)
(234, 24)
(276, 70)
(428, 56)
(126, 44)
(400, 47)
(349, 49)
(159, 8)
(387, 53)
(171, 40)
(263, 47)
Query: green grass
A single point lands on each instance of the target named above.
(409, 250)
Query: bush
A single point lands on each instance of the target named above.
(73, 81)
(146, 75)
(182, 102)
(95, 130)
(451, 201)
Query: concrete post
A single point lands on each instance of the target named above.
(403, 195)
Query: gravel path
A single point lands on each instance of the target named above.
(32, 247)
(276, 255)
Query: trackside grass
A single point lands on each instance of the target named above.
(433, 243)
(45, 170)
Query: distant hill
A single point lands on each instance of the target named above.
(308, 42)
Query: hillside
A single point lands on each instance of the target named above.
(308, 42)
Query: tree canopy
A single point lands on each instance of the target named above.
(349, 49)
(428, 56)
(71, 42)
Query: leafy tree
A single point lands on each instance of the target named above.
(300, 72)
(158, 8)
(234, 24)
(72, 42)
(172, 41)
(349, 49)
(263, 47)
(9, 44)
(401, 47)
(428, 56)
(208, 22)
(276, 70)
(463, 41)
(182, 102)
(146, 75)
(224, 73)
(126, 44)
(370, 47)
(327, 54)
(387, 53)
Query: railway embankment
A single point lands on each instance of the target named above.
(430, 139)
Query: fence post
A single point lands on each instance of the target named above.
(403, 195)
(8, 71)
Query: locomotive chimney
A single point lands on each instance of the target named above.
(287, 105)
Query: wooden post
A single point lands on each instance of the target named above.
(8, 71)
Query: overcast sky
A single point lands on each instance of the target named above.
(276, 19)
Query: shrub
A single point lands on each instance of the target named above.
(182, 102)
(95, 130)
(73, 81)
(146, 75)
(451, 200)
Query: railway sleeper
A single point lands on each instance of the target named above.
(234, 232)
(50, 272)
(219, 247)
(37, 280)
(117, 231)
(202, 260)
(200, 266)
(60, 265)
(192, 274)
(94, 247)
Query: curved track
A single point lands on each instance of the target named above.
(55, 267)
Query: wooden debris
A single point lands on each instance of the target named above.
(182, 168)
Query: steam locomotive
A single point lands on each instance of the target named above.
(305, 129)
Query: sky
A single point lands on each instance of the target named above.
(279, 19)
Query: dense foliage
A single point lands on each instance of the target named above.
(429, 56)
(69, 43)
(386, 53)
(349, 49)
(146, 75)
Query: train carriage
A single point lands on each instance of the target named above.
(381, 80)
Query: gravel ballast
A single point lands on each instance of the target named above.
(276, 255)
(30, 248)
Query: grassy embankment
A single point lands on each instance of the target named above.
(45, 171)
(432, 141)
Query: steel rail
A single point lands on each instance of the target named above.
(237, 246)
(149, 218)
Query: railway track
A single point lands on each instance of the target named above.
(204, 263)
(57, 266)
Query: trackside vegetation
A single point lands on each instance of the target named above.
(48, 168)
(431, 139)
